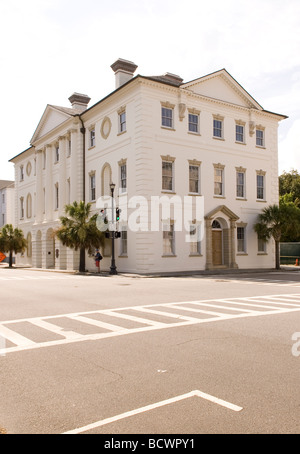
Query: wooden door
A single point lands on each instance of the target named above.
(217, 250)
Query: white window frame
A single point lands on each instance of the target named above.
(22, 213)
(193, 122)
(56, 196)
(167, 117)
(92, 138)
(168, 239)
(192, 180)
(167, 176)
(123, 177)
(218, 127)
(124, 241)
(122, 122)
(194, 240)
(239, 185)
(261, 189)
(220, 183)
(261, 246)
(241, 239)
(260, 137)
(240, 133)
(92, 187)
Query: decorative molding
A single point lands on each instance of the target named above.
(168, 158)
(105, 127)
(182, 108)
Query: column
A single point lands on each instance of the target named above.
(209, 262)
(62, 179)
(74, 166)
(39, 187)
(49, 184)
(233, 263)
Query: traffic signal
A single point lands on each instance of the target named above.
(118, 212)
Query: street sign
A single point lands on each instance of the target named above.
(2, 256)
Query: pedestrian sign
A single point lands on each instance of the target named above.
(2, 256)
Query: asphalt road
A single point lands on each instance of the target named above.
(140, 355)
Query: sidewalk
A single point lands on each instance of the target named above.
(283, 268)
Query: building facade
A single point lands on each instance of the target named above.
(7, 200)
(193, 163)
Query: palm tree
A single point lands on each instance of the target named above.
(79, 231)
(276, 221)
(12, 240)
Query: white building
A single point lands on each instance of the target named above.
(7, 200)
(206, 140)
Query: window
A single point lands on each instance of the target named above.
(240, 184)
(219, 181)
(239, 133)
(92, 187)
(122, 121)
(194, 183)
(241, 246)
(167, 175)
(57, 153)
(195, 244)
(218, 128)
(167, 117)
(29, 206)
(261, 246)
(123, 242)
(56, 196)
(193, 123)
(260, 186)
(168, 239)
(123, 178)
(21, 208)
(69, 147)
(21, 173)
(260, 142)
(92, 138)
(3, 198)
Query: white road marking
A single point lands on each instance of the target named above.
(146, 408)
(243, 307)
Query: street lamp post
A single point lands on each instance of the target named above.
(113, 268)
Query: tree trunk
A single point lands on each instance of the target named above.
(82, 260)
(277, 254)
(10, 259)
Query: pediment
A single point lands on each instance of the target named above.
(222, 86)
(52, 117)
(222, 209)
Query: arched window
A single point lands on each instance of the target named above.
(29, 245)
(106, 179)
(216, 225)
(29, 206)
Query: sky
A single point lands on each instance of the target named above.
(53, 48)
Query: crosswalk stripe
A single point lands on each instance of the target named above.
(242, 306)
(14, 337)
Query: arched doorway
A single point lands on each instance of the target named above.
(220, 226)
(217, 243)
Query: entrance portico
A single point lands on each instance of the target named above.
(220, 226)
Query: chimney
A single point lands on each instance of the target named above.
(123, 70)
(79, 101)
